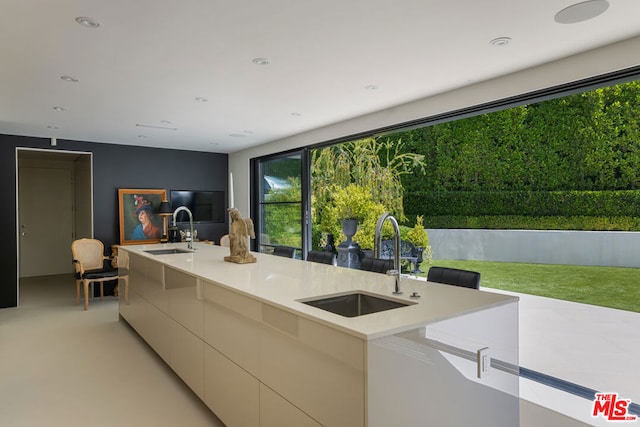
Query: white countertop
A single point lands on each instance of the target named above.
(281, 282)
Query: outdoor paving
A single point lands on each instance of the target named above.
(591, 346)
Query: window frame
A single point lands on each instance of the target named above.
(305, 202)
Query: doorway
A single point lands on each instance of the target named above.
(55, 207)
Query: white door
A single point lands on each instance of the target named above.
(45, 197)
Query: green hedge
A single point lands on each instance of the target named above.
(514, 222)
(524, 203)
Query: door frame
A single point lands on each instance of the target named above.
(51, 154)
(256, 180)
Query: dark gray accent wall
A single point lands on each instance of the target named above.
(114, 166)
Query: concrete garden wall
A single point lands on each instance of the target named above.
(598, 248)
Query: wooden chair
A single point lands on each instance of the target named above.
(92, 266)
(454, 276)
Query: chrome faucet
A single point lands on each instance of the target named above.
(189, 237)
(396, 247)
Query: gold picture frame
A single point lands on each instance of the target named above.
(137, 212)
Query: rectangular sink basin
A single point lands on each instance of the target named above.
(168, 251)
(355, 304)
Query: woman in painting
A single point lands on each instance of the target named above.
(146, 229)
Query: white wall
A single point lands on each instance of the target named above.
(599, 61)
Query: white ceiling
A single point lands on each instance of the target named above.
(149, 60)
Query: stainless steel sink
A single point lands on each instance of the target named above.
(168, 251)
(355, 304)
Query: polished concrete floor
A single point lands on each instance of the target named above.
(590, 346)
(62, 366)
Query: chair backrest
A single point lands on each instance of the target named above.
(454, 276)
(89, 253)
(284, 251)
(224, 241)
(324, 257)
(376, 265)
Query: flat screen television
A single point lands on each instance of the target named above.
(205, 206)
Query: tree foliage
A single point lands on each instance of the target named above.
(350, 202)
(359, 179)
(570, 156)
(372, 163)
(283, 215)
(418, 235)
(588, 141)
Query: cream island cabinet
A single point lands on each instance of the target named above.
(242, 340)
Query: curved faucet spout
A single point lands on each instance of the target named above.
(175, 214)
(396, 246)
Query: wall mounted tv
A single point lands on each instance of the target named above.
(206, 206)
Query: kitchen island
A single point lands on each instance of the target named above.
(243, 338)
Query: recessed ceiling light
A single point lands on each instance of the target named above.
(261, 61)
(248, 132)
(58, 108)
(500, 41)
(371, 87)
(296, 114)
(201, 99)
(143, 136)
(237, 135)
(53, 127)
(87, 22)
(69, 79)
(581, 12)
(167, 122)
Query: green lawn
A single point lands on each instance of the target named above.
(614, 287)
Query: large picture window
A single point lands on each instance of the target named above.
(282, 196)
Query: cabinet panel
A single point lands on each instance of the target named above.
(253, 364)
(343, 347)
(136, 264)
(187, 357)
(277, 412)
(233, 301)
(175, 279)
(306, 372)
(185, 300)
(157, 327)
(233, 335)
(155, 289)
(154, 271)
(227, 329)
(135, 312)
(230, 391)
(136, 274)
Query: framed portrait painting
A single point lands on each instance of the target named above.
(139, 221)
